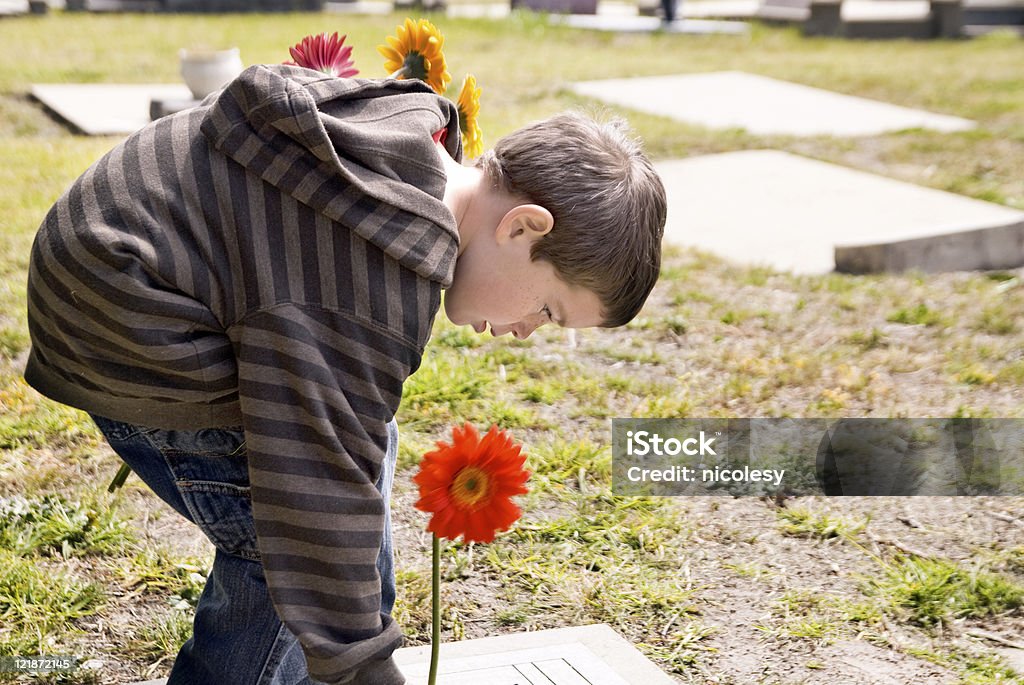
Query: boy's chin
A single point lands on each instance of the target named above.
(478, 326)
(455, 318)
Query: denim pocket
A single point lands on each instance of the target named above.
(211, 472)
(224, 513)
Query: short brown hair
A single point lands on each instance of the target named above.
(606, 198)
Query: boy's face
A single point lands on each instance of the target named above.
(496, 283)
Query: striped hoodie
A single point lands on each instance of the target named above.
(271, 259)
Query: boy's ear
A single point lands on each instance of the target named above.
(531, 222)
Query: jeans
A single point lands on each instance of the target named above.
(203, 475)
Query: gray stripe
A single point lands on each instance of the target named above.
(326, 237)
(280, 545)
(219, 167)
(293, 237)
(392, 277)
(326, 628)
(258, 225)
(341, 522)
(357, 268)
(317, 583)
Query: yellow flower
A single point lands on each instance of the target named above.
(469, 110)
(416, 53)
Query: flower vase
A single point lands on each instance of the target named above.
(206, 71)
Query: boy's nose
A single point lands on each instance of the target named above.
(519, 330)
(524, 329)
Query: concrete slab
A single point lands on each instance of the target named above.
(885, 10)
(637, 24)
(13, 7)
(724, 9)
(360, 7)
(762, 105)
(793, 214)
(585, 655)
(697, 9)
(594, 655)
(495, 10)
(106, 109)
(625, 17)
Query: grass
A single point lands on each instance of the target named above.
(918, 315)
(932, 592)
(39, 604)
(164, 636)
(715, 339)
(804, 522)
(51, 525)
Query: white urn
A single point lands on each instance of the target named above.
(205, 71)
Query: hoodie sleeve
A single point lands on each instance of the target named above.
(340, 253)
(316, 390)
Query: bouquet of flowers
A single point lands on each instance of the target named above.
(415, 51)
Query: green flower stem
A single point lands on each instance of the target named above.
(119, 479)
(435, 602)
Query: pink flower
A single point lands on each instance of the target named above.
(324, 53)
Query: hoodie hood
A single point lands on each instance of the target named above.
(344, 147)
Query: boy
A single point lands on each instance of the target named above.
(237, 293)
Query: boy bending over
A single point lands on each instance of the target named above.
(237, 293)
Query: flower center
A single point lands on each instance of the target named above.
(470, 486)
(416, 66)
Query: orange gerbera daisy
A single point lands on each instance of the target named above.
(416, 53)
(468, 485)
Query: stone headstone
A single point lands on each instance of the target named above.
(800, 215)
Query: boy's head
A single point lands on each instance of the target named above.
(595, 208)
(607, 202)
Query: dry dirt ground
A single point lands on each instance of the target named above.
(741, 566)
(761, 606)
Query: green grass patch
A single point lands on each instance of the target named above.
(818, 525)
(869, 340)
(565, 461)
(164, 636)
(931, 592)
(542, 393)
(918, 315)
(440, 390)
(53, 525)
(998, 320)
(155, 570)
(39, 604)
(974, 666)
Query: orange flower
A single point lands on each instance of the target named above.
(468, 485)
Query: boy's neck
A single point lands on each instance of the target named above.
(476, 206)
